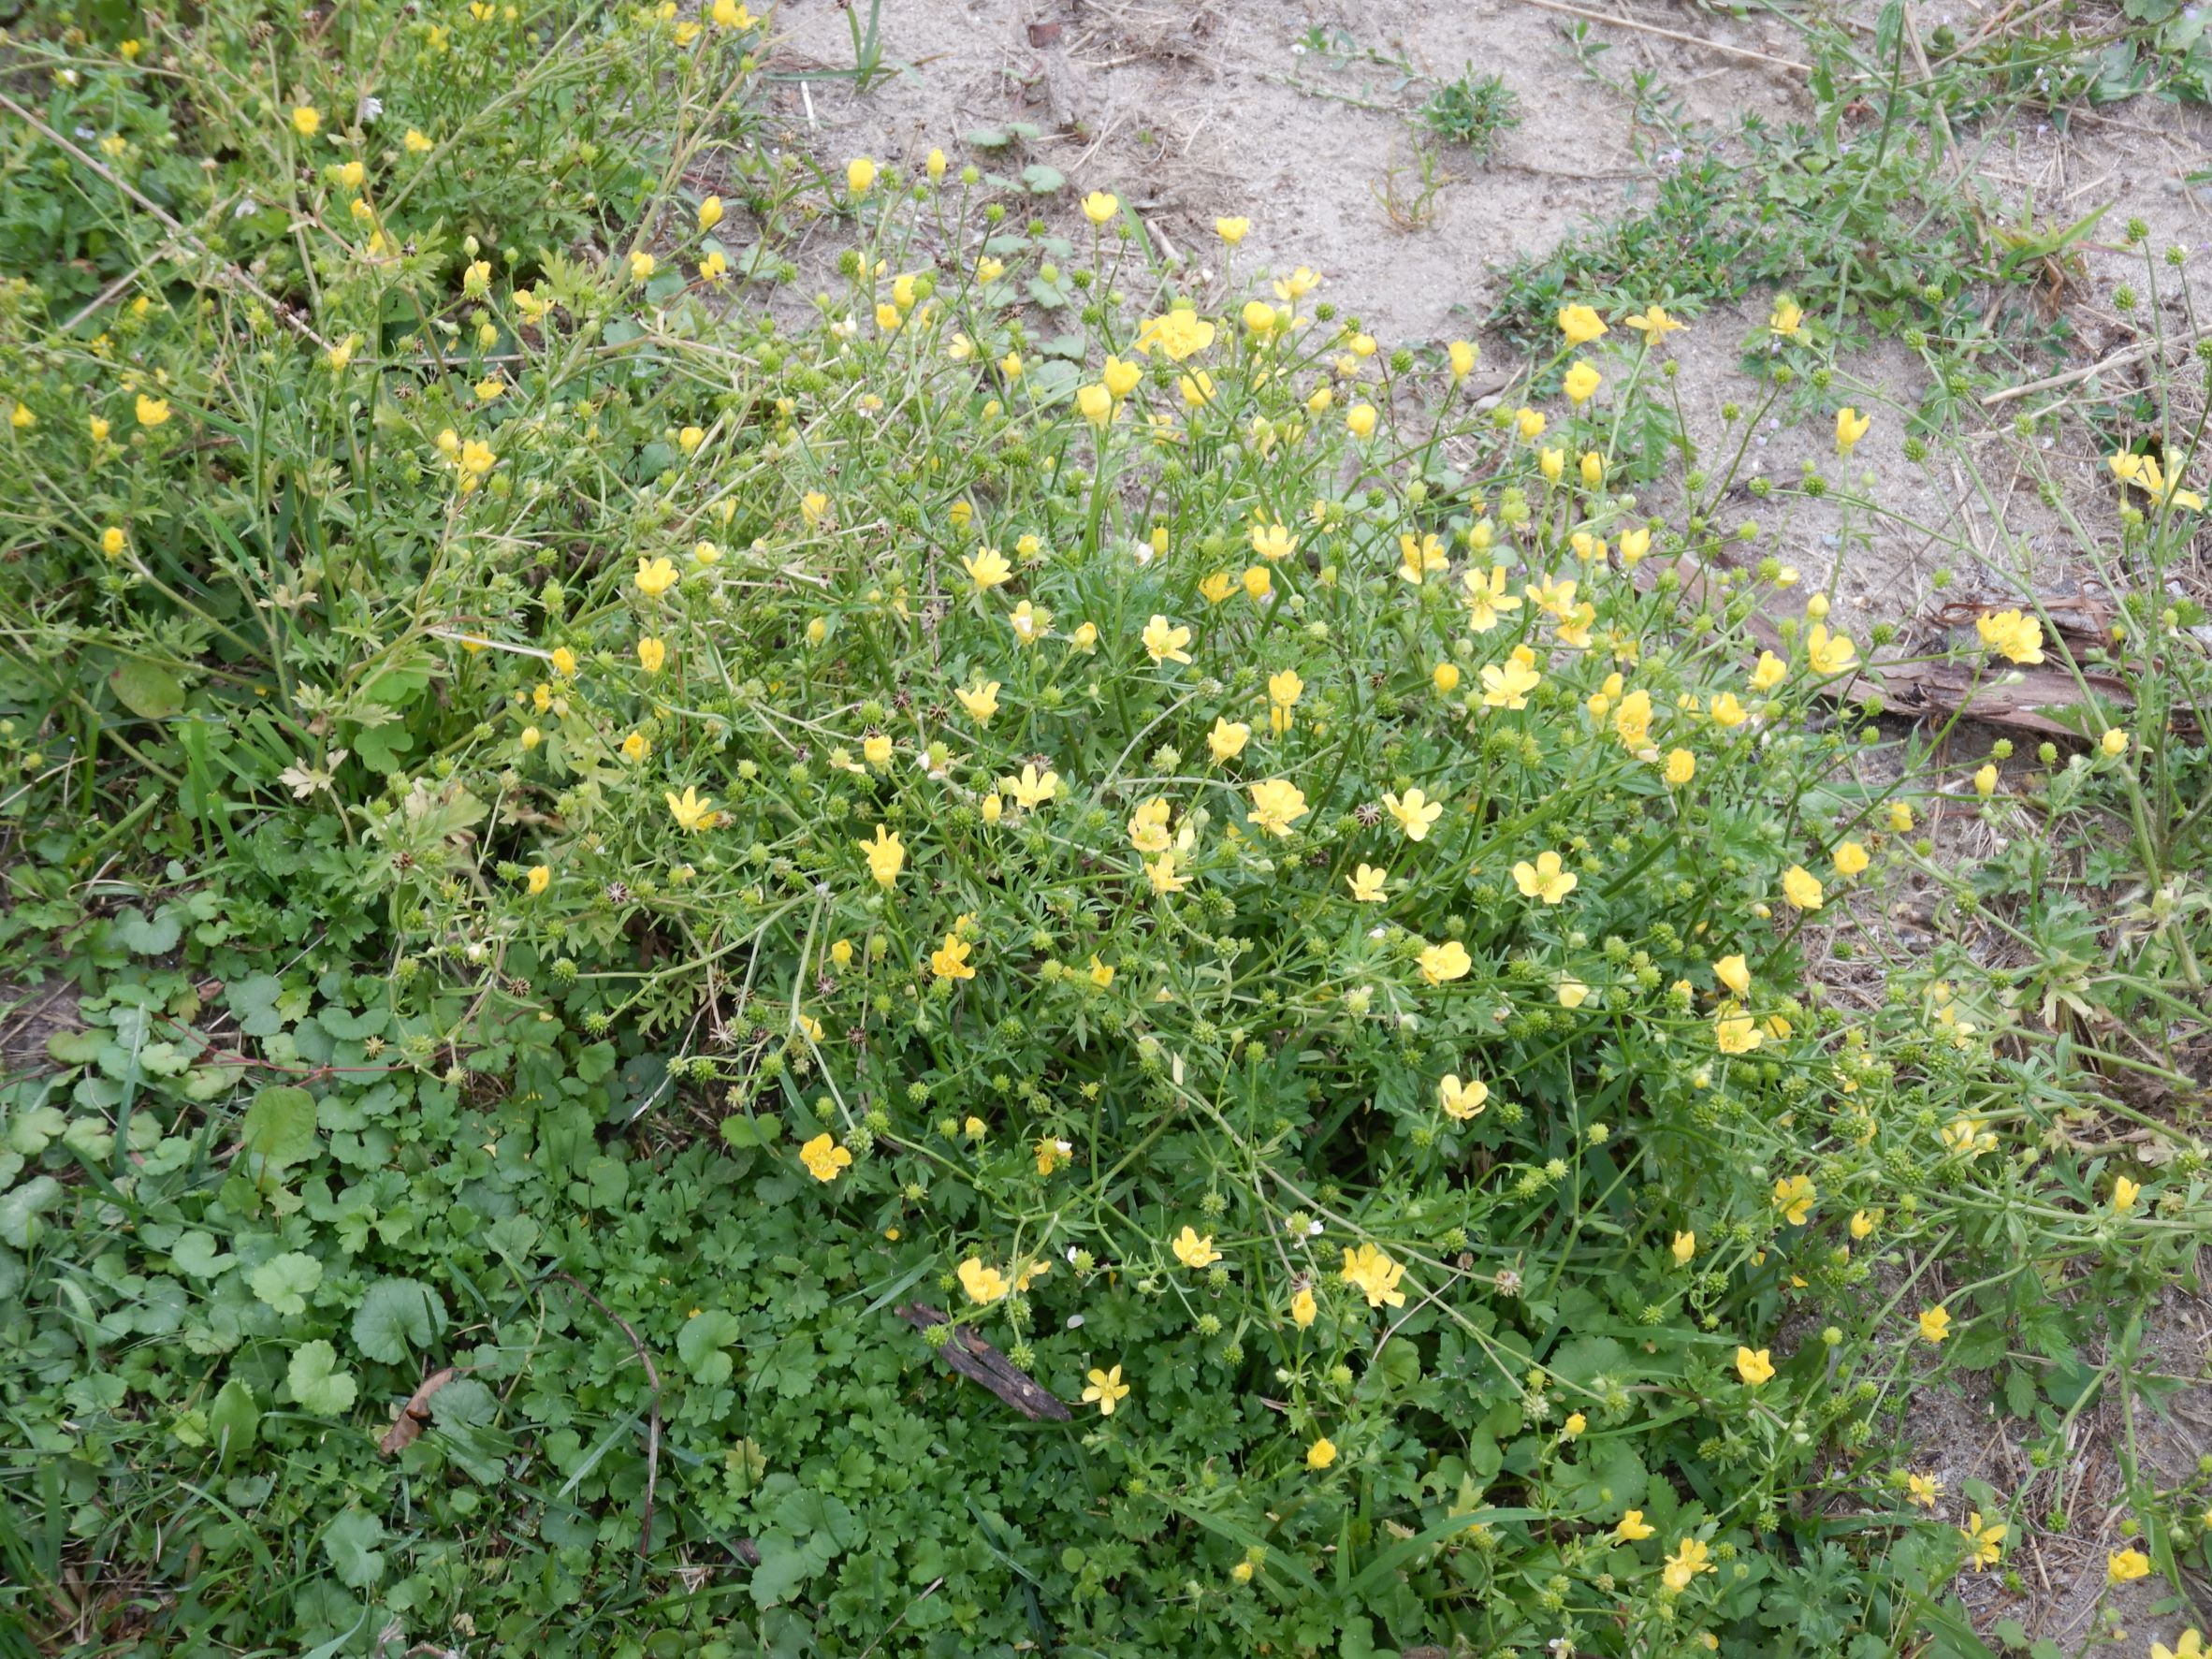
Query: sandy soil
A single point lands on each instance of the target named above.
(1295, 113)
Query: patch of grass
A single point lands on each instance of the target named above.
(1474, 111)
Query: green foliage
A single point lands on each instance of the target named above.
(463, 789)
(1474, 111)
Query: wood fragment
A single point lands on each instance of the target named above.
(414, 1416)
(979, 1363)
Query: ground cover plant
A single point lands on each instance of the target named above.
(592, 847)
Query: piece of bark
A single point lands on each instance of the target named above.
(414, 1416)
(979, 1363)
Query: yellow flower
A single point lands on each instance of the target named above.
(2143, 471)
(710, 212)
(1851, 860)
(1862, 1224)
(1681, 765)
(1303, 1307)
(1683, 1248)
(1029, 790)
(1232, 230)
(1529, 424)
(949, 960)
(2189, 1646)
(1592, 467)
(1547, 879)
(1572, 993)
(987, 568)
(1986, 780)
(565, 662)
(1572, 1429)
(825, 1160)
(1148, 826)
(1259, 582)
(1632, 721)
(1921, 1489)
(655, 576)
(1273, 542)
(1417, 559)
(652, 654)
(1359, 420)
(113, 542)
(1769, 672)
(1277, 805)
(1084, 638)
(307, 120)
(1258, 316)
(1099, 207)
(1654, 324)
(983, 1284)
(1794, 1196)
(1788, 319)
(1935, 1324)
(1826, 654)
(151, 412)
(1228, 739)
(1051, 1154)
(1120, 378)
(641, 266)
(1415, 812)
(1633, 1528)
(2124, 1193)
(1297, 286)
(1095, 403)
(1754, 1365)
(1029, 623)
(980, 700)
(1735, 973)
(1736, 1034)
(1462, 355)
(1462, 1101)
(1322, 1453)
(1985, 1539)
(934, 165)
(1194, 1251)
(417, 143)
(1444, 676)
(1164, 642)
(1217, 586)
(1582, 381)
(1440, 964)
(1801, 888)
(541, 878)
(1727, 712)
(1367, 884)
(1180, 335)
(2016, 636)
(1160, 872)
(1507, 686)
(1685, 1564)
(886, 855)
(859, 176)
(1580, 324)
(1851, 426)
(2124, 1566)
(1106, 1389)
(1101, 975)
(636, 747)
(1551, 463)
(1487, 597)
(1376, 1275)
(692, 810)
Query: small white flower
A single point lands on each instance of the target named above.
(1074, 1321)
(371, 109)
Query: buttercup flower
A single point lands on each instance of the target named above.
(2124, 1192)
(1179, 335)
(1547, 879)
(825, 1160)
(2124, 1566)
(1582, 381)
(1277, 805)
(1682, 1567)
(1415, 812)
(985, 1285)
(540, 878)
(1367, 883)
(1794, 1196)
(1736, 1034)
(1440, 964)
(1164, 642)
(1754, 1365)
(1322, 1453)
(1148, 826)
(859, 176)
(1192, 1250)
(1851, 426)
(1580, 324)
(1228, 739)
(1099, 205)
(2012, 635)
(1462, 1101)
(1788, 320)
(1935, 1324)
(1232, 230)
(1828, 654)
(1376, 1275)
(1801, 888)
(987, 568)
(1030, 790)
(1654, 324)
(1985, 1540)
(980, 700)
(1683, 1249)
(1851, 859)
(655, 576)
(949, 960)
(1486, 600)
(692, 810)
(886, 855)
(1273, 542)
(1633, 1528)
(1106, 1389)
(1303, 1307)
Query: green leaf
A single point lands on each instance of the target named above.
(1040, 180)
(195, 1253)
(396, 1317)
(150, 692)
(285, 1281)
(700, 1344)
(233, 1419)
(351, 1546)
(20, 1209)
(148, 937)
(316, 1382)
(279, 1128)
